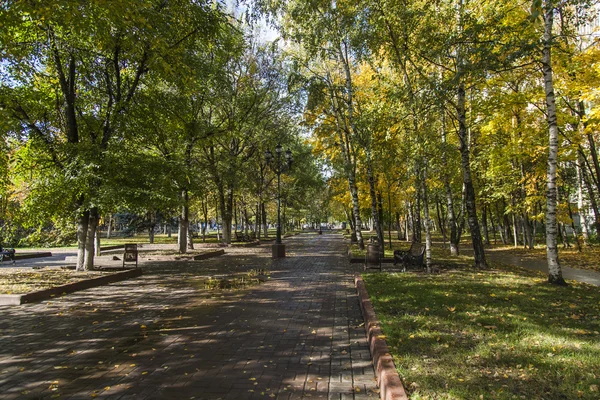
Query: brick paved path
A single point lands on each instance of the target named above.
(164, 336)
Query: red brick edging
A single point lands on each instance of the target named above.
(389, 382)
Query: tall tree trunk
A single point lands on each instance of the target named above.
(356, 210)
(257, 224)
(440, 221)
(97, 243)
(478, 250)
(205, 217)
(235, 216)
(389, 199)
(246, 223)
(515, 228)
(493, 226)
(417, 237)
(454, 242)
(528, 231)
(151, 225)
(373, 196)
(190, 237)
(580, 207)
(484, 224)
(427, 221)
(183, 222)
(109, 228)
(264, 220)
(591, 194)
(90, 241)
(554, 269)
(227, 215)
(573, 226)
(406, 237)
(82, 231)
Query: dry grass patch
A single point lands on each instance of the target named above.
(21, 281)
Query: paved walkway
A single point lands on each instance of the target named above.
(163, 335)
(579, 275)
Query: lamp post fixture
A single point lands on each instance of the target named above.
(279, 166)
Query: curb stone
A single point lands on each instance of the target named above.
(18, 299)
(389, 382)
(25, 256)
(207, 255)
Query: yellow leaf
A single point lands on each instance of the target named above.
(451, 309)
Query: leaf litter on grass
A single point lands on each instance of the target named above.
(21, 281)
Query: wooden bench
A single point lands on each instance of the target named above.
(242, 237)
(413, 257)
(7, 254)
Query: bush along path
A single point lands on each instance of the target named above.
(164, 335)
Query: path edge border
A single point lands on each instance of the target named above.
(208, 254)
(39, 295)
(390, 385)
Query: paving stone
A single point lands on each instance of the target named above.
(162, 335)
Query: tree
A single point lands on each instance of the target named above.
(87, 61)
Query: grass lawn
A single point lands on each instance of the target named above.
(501, 334)
(19, 281)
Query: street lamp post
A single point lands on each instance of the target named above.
(279, 166)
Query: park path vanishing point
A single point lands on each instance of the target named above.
(163, 336)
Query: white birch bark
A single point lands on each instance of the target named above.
(554, 269)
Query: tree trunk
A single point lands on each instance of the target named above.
(389, 199)
(440, 221)
(97, 243)
(183, 222)
(151, 224)
(257, 222)
(373, 196)
(417, 237)
(205, 216)
(109, 228)
(515, 229)
(190, 238)
(554, 269)
(90, 241)
(264, 220)
(356, 210)
(454, 242)
(478, 250)
(427, 221)
(82, 231)
(484, 225)
(493, 226)
(227, 214)
(528, 231)
(577, 242)
(591, 194)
